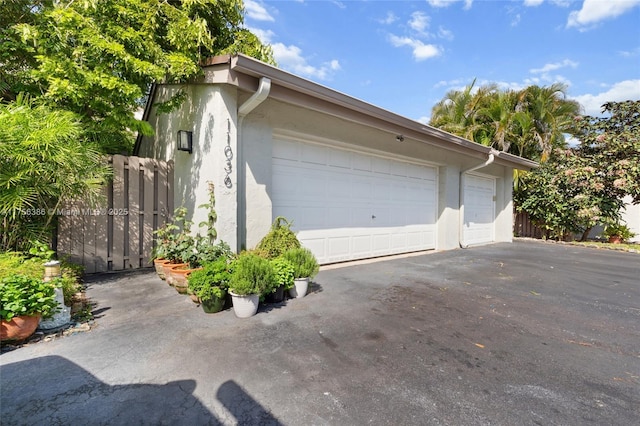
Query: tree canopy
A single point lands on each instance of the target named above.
(97, 59)
(528, 123)
(581, 187)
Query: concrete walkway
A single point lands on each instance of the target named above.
(522, 333)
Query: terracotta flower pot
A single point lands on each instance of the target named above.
(615, 239)
(19, 328)
(167, 270)
(179, 277)
(158, 263)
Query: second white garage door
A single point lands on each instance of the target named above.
(479, 209)
(350, 205)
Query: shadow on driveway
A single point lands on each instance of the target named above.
(67, 394)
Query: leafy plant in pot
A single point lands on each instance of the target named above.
(252, 276)
(618, 233)
(210, 284)
(279, 239)
(24, 300)
(284, 277)
(305, 267)
(170, 242)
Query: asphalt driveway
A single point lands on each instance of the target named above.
(522, 333)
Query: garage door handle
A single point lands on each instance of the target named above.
(373, 216)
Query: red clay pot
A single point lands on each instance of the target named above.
(179, 277)
(166, 267)
(19, 328)
(157, 263)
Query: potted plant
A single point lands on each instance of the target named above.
(210, 284)
(279, 239)
(284, 279)
(251, 276)
(305, 267)
(23, 301)
(618, 233)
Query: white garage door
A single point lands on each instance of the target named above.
(349, 205)
(479, 209)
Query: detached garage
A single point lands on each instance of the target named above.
(357, 181)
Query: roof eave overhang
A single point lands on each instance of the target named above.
(287, 87)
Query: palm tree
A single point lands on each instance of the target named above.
(552, 115)
(498, 119)
(456, 112)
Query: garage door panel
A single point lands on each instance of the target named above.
(361, 245)
(331, 195)
(479, 210)
(362, 163)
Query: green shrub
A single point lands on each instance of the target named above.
(212, 280)
(304, 262)
(24, 295)
(618, 230)
(279, 239)
(252, 275)
(284, 272)
(18, 263)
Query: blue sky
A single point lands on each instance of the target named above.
(405, 55)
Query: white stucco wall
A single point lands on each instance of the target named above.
(244, 216)
(210, 113)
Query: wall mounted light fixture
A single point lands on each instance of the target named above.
(185, 141)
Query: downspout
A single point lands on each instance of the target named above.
(243, 110)
(461, 195)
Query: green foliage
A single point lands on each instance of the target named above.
(33, 267)
(212, 216)
(566, 196)
(529, 123)
(284, 272)
(279, 239)
(24, 295)
(579, 188)
(173, 240)
(252, 274)
(45, 161)
(212, 280)
(611, 144)
(303, 261)
(97, 59)
(618, 230)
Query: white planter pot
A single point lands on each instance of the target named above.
(245, 306)
(301, 285)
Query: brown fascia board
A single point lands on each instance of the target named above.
(288, 88)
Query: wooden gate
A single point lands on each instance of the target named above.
(523, 227)
(119, 234)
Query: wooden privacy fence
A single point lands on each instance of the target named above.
(119, 234)
(523, 227)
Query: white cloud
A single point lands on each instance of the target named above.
(389, 19)
(265, 36)
(516, 20)
(554, 66)
(629, 53)
(424, 119)
(595, 11)
(291, 59)
(444, 33)
(339, 4)
(421, 51)
(419, 21)
(447, 3)
(621, 91)
(257, 11)
(533, 3)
